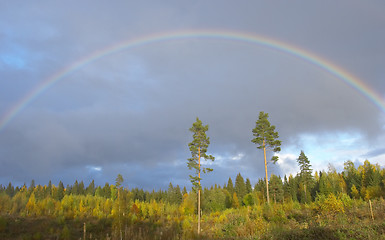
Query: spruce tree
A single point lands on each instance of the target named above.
(240, 187)
(60, 191)
(267, 139)
(75, 188)
(178, 195)
(118, 183)
(91, 188)
(305, 172)
(276, 187)
(198, 148)
(230, 186)
(49, 189)
(10, 190)
(351, 177)
(184, 191)
(81, 189)
(249, 189)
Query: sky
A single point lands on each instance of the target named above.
(80, 101)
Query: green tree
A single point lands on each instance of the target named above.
(184, 191)
(60, 191)
(118, 183)
(331, 182)
(81, 190)
(49, 189)
(174, 195)
(198, 148)
(240, 186)
(91, 188)
(249, 189)
(228, 199)
(248, 199)
(75, 188)
(235, 202)
(351, 177)
(10, 191)
(178, 195)
(325, 186)
(287, 195)
(267, 139)
(31, 186)
(106, 190)
(276, 187)
(230, 186)
(214, 200)
(119, 180)
(305, 173)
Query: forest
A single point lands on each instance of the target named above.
(324, 205)
(327, 205)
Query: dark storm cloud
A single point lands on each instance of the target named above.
(374, 153)
(130, 112)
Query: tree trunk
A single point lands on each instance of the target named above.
(267, 180)
(199, 192)
(120, 219)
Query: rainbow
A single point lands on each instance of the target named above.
(302, 54)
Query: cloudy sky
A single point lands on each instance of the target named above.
(129, 111)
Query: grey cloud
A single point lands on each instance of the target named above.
(374, 153)
(130, 111)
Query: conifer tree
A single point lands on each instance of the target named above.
(267, 139)
(184, 191)
(249, 189)
(81, 190)
(91, 188)
(286, 188)
(351, 177)
(49, 189)
(305, 172)
(10, 190)
(118, 183)
(230, 186)
(276, 187)
(174, 195)
(178, 195)
(240, 186)
(75, 188)
(235, 202)
(60, 191)
(31, 186)
(198, 148)
(106, 190)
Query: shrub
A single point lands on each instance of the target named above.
(3, 224)
(329, 206)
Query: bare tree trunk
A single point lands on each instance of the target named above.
(267, 180)
(120, 220)
(199, 192)
(371, 210)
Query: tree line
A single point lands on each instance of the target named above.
(366, 181)
(324, 193)
(235, 209)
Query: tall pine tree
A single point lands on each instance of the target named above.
(198, 148)
(267, 139)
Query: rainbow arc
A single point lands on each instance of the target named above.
(263, 41)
